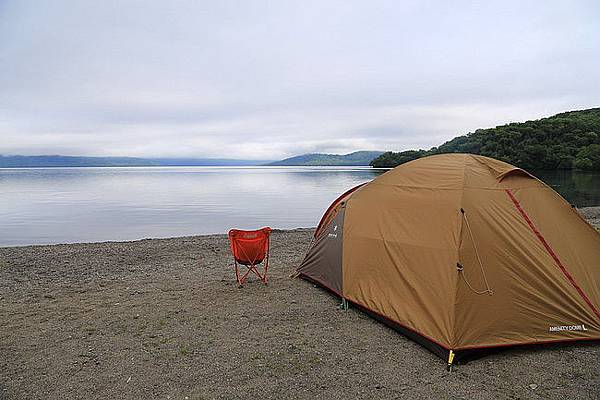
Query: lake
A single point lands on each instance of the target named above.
(67, 205)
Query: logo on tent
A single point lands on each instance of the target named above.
(333, 235)
(568, 328)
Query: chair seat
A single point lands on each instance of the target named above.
(248, 262)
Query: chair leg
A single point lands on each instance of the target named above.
(266, 280)
(241, 279)
(237, 276)
(244, 277)
(253, 269)
(263, 277)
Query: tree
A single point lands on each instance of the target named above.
(564, 141)
(588, 158)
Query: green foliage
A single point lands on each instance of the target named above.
(390, 158)
(568, 140)
(588, 158)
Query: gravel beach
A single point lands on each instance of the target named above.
(163, 318)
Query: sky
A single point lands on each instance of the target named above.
(273, 79)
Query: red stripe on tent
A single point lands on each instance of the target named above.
(551, 252)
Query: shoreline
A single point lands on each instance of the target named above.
(204, 235)
(164, 318)
(590, 214)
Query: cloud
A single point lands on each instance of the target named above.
(274, 79)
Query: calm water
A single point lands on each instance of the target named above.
(65, 205)
(579, 188)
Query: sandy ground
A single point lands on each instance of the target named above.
(592, 214)
(164, 319)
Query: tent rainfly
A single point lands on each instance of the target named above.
(462, 253)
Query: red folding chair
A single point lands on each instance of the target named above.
(250, 248)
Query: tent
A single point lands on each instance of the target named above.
(461, 253)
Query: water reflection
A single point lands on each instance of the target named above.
(63, 205)
(581, 189)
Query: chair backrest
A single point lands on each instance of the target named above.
(249, 247)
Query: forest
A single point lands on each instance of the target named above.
(569, 140)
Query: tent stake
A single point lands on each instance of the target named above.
(450, 360)
(344, 305)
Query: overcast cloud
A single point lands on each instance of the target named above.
(267, 80)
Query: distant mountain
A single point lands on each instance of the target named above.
(318, 159)
(75, 161)
(207, 162)
(570, 140)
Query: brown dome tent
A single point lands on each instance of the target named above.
(462, 252)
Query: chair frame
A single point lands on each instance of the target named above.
(252, 264)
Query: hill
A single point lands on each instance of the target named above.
(75, 161)
(318, 159)
(569, 140)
